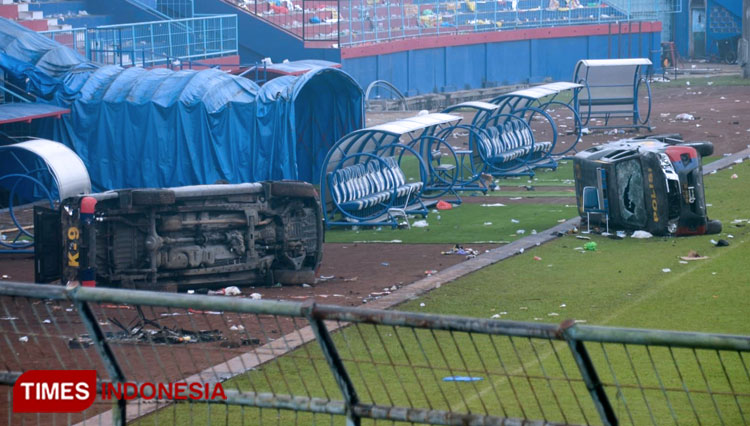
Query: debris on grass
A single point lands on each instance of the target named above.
(693, 255)
(590, 246)
(641, 234)
(256, 296)
(420, 224)
(326, 277)
(685, 117)
(462, 379)
(666, 270)
(305, 285)
(493, 205)
(443, 205)
(430, 272)
(487, 223)
(720, 243)
(515, 221)
(553, 314)
(734, 176)
(537, 258)
(422, 305)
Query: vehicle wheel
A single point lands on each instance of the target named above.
(152, 197)
(713, 227)
(292, 189)
(291, 277)
(704, 148)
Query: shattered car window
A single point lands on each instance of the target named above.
(630, 178)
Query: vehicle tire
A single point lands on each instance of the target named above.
(293, 189)
(713, 227)
(291, 277)
(152, 197)
(704, 148)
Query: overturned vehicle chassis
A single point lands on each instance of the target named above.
(181, 238)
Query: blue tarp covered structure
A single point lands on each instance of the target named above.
(157, 128)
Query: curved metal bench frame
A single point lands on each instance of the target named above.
(541, 98)
(521, 166)
(381, 141)
(641, 69)
(56, 174)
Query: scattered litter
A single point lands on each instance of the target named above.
(580, 321)
(420, 224)
(590, 246)
(537, 258)
(524, 308)
(237, 327)
(521, 250)
(685, 117)
(80, 342)
(5, 277)
(693, 255)
(553, 314)
(720, 243)
(443, 205)
(563, 305)
(459, 250)
(256, 296)
(228, 291)
(561, 220)
(305, 285)
(641, 234)
(713, 273)
(422, 305)
(385, 264)
(734, 176)
(326, 277)
(496, 316)
(585, 131)
(515, 221)
(730, 236)
(47, 321)
(23, 339)
(493, 205)
(581, 237)
(664, 114)
(665, 270)
(8, 318)
(516, 198)
(520, 231)
(191, 292)
(537, 319)
(487, 223)
(462, 379)
(683, 262)
(430, 272)
(352, 279)
(533, 232)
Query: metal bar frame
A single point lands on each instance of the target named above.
(574, 335)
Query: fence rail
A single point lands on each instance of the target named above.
(301, 363)
(154, 43)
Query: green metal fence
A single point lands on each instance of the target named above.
(302, 363)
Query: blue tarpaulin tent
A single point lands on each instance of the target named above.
(156, 128)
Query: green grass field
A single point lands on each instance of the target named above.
(622, 283)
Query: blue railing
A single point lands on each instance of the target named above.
(76, 39)
(154, 43)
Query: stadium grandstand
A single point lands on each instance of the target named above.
(420, 46)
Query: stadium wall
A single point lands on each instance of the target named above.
(458, 62)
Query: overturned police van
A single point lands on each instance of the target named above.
(190, 237)
(652, 183)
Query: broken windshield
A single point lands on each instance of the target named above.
(629, 177)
